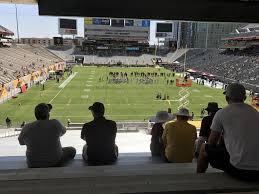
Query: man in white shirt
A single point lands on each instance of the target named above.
(42, 138)
(238, 124)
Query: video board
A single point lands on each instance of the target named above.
(67, 26)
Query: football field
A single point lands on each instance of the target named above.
(131, 101)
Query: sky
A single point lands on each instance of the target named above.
(33, 25)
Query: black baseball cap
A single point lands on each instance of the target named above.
(97, 107)
(50, 107)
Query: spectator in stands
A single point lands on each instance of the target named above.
(178, 138)
(212, 108)
(99, 134)
(8, 122)
(156, 145)
(42, 138)
(239, 124)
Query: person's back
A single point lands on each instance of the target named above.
(100, 137)
(42, 139)
(180, 137)
(240, 122)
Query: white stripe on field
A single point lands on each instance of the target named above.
(64, 84)
(69, 78)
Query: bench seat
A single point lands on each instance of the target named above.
(133, 173)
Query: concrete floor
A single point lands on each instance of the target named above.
(127, 143)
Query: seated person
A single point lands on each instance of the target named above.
(238, 122)
(42, 138)
(156, 145)
(212, 108)
(178, 138)
(99, 134)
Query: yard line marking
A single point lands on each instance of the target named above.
(87, 90)
(208, 96)
(84, 96)
(90, 78)
(69, 78)
(89, 81)
(87, 85)
(64, 84)
(69, 101)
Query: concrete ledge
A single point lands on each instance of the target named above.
(133, 173)
(156, 179)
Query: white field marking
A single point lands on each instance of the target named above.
(87, 90)
(84, 96)
(169, 101)
(87, 85)
(195, 90)
(208, 96)
(69, 101)
(82, 116)
(90, 78)
(64, 84)
(89, 81)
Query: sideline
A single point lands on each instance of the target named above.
(63, 85)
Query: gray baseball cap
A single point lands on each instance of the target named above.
(235, 91)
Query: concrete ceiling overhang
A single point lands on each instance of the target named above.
(189, 10)
(19, 1)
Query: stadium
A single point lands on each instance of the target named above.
(115, 63)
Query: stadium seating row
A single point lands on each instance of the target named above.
(21, 60)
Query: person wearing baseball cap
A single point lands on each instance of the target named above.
(238, 122)
(204, 134)
(99, 134)
(178, 138)
(42, 139)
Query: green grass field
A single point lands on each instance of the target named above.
(123, 102)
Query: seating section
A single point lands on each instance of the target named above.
(21, 60)
(231, 65)
(126, 177)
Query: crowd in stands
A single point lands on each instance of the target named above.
(21, 60)
(239, 65)
(228, 138)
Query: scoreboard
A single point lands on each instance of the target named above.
(117, 29)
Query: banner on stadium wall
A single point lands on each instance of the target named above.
(15, 83)
(3, 92)
(23, 88)
(88, 20)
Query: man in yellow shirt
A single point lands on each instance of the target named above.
(179, 138)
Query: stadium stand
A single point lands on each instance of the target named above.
(145, 59)
(20, 60)
(226, 65)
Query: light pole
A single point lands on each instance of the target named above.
(17, 24)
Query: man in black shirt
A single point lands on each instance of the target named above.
(205, 126)
(99, 134)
